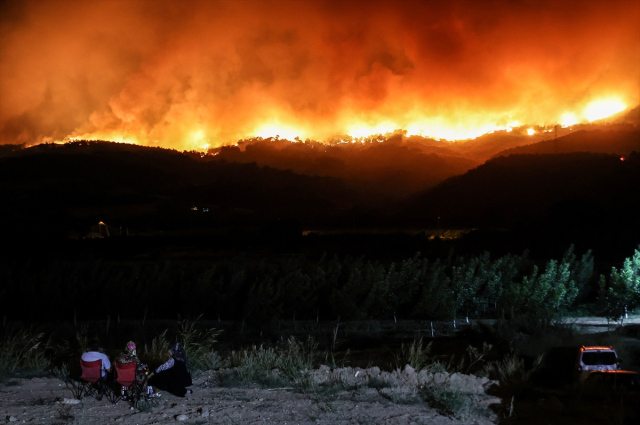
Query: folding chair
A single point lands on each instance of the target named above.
(92, 377)
(126, 376)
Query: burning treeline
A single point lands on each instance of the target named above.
(200, 74)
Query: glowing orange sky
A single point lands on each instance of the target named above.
(193, 73)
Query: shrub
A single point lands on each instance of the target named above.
(63, 374)
(285, 364)
(620, 295)
(511, 372)
(145, 404)
(448, 401)
(23, 354)
(415, 354)
(334, 361)
(198, 345)
(156, 353)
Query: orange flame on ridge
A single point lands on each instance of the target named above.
(202, 74)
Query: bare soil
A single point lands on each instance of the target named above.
(342, 396)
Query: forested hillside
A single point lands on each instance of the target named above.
(575, 190)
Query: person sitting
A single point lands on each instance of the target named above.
(92, 354)
(129, 356)
(174, 375)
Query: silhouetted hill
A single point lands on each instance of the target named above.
(619, 142)
(485, 146)
(65, 189)
(393, 167)
(578, 190)
(8, 149)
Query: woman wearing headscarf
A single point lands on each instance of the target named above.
(174, 375)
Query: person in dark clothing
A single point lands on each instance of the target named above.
(174, 375)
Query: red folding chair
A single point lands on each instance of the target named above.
(92, 376)
(126, 376)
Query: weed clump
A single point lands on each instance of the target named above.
(448, 401)
(512, 373)
(23, 355)
(64, 412)
(199, 345)
(63, 374)
(145, 404)
(415, 354)
(286, 364)
(156, 353)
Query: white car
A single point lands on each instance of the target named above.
(596, 358)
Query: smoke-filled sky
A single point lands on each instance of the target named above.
(187, 74)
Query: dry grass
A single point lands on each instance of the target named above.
(415, 355)
(157, 352)
(448, 401)
(199, 345)
(23, 354)
(512, 374)
(285, 364)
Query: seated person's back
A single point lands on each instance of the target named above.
(92, 354)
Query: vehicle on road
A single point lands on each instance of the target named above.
(596, 358)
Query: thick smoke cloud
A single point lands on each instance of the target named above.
(185, 74)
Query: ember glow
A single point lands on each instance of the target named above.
(200, 74)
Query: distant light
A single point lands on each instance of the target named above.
(622, 158)
(531, 132)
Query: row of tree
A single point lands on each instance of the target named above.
(452, 288)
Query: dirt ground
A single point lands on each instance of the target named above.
(48, 401)
(351, 398)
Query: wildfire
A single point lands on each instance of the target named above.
(439, 128)
(363, 131)
(202, 74)
(110, 137)
(277, 131)
(603, 109)
(567, 119)
(439, 131)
